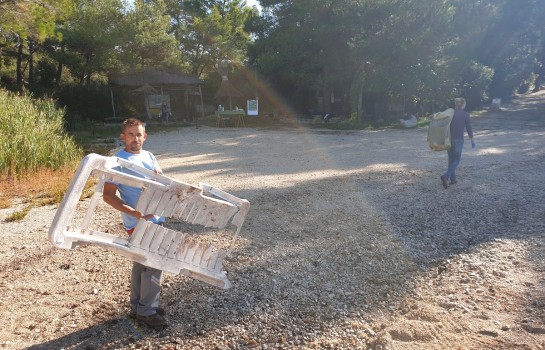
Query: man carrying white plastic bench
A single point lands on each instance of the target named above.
(145, 281)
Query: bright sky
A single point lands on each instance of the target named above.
(252, 3)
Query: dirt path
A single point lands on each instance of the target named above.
(351, 243)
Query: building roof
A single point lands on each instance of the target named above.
(154, 77)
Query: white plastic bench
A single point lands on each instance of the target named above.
(151, 244)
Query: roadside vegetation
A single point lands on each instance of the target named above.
(38, 157)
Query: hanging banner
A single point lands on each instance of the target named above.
(252, 107)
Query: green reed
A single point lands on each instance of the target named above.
(32, 136)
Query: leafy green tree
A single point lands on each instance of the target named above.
(23, 24)
(379, 48)
(524, 27)
(90, 37)
(307, 50)
(146, 38)
(405, 47)
(502, 35)
(425, 51)
(209, 31)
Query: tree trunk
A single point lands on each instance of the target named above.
(58, 76)
(81, 76)
(539, 79)
(19, 66)
(326, 91)
(31, 76)
(86, 74)
(327, 100)
(360, 104)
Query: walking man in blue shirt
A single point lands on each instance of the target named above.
(145, 281)
(460, 123)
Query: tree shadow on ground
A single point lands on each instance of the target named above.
(353, 251)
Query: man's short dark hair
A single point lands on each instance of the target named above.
(131, 122)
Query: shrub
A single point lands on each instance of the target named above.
(84, 104)
(32, 136)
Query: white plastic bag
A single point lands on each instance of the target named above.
(439, 130)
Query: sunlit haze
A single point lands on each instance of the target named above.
(248, 2)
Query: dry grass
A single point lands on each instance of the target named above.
(43, 183)
(41, 188)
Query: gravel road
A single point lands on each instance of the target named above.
(351, 242)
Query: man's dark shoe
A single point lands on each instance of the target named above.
(153, 321)
(444, 181)
(453, 182)
(159, 311)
